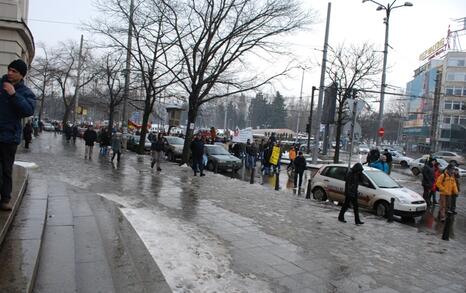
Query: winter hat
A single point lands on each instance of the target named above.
(19, 65)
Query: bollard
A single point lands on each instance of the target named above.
(390, 210)
(446, 228)
(277, 182)
(308, 192)
(251, 180)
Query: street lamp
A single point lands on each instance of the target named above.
(299, 106)
(388, 8)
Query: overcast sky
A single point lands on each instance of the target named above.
(412, 30)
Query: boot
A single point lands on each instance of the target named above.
(195, 173)
(152, 164)
(202, 174)
(341, 219)
(359, 222)
(5, 206)
(159, 169)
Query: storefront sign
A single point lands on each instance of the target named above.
(432, 51)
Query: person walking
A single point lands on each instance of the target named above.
(157, 151)
(104, 141)
(437, 173)
(389, 160)
(16, 101)
(428, 179)
(197, 153)
(454, 196)
(446, 184)
(89, 136)
(116, 146)
(27, 134)
(352, 180)
(74, 132)
(299, 168)
(292, 157)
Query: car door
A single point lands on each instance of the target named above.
(366, 192)
(335, 182)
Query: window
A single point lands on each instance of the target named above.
(463, 121)
(457, 91)
(455, 119)
(366, 182)
(464, 92)
(447, 119)
(448, 105)
(456, 62)
(456, 105)
(449, 91)
(336, 172)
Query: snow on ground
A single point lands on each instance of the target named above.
(191, 259)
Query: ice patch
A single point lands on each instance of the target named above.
(30, 165)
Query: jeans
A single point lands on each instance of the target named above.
(300, 175)
(198, 165)
(7, 158)
(157, 158)
(88, 151)
(453, 202)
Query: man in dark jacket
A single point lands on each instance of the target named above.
(27, 134)
(428, 180)
(299, 168)
(16, 101)
(197, 152)
(157, 151)
(373, 155)
(89, 136)
(353, 177)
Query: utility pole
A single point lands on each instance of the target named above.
(299, 106)
(128, 67)
(321, 87)
(435, 111)
(308, 150)
(78, 77)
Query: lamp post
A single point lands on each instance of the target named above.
(388, 8)
(299, 106)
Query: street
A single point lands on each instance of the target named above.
(217, 234)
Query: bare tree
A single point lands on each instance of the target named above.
(215, 40)
(150, 47)
(110, 90)
(64, 73)
(353, 68)
(40, 77)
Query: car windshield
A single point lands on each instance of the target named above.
(174, 140)
(216, 150)
(381, 179)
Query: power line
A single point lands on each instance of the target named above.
(52, 21)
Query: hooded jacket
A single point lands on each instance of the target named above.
(353, 177)
(12, 109)
(447, 184)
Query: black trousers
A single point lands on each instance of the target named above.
(300, 174)
(7, 158)
(354, 201)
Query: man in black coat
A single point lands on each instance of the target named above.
(428, 180)
(16, 101)
(353, 177)
(89, 136)
(299, 168)
(197, 153)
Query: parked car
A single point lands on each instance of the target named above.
(48, 127)
(399, 158)
(173, 147)
(450, 157)
(364, 149)
(375, 191)
(133, 141)
(219, 159)
(417, 165)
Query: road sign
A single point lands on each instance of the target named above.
(381, 132)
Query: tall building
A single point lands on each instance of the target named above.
(436, 115)
(16, 40)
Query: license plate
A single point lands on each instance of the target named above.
(420, 209)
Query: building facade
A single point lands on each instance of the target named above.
(16, 40)
(436, 110)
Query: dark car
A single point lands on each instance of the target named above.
(133, 142)
(173, 147)
(219, 159)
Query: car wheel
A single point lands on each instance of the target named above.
(210, 166)
(319, 194)
(404, 164)
(381, 209)
(415, 171)
(454, 163)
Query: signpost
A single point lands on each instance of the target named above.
(381, 132)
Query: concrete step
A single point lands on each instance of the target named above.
(20, 250)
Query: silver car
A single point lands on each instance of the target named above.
(417, 165)
(451, 157)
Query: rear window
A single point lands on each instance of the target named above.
(336, 172)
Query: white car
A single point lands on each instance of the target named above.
(364, 149)
(399, 158)
(417, 165)
(375, 191)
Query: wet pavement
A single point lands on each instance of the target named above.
(217, 234)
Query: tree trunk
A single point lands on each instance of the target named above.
(192, 114)
(110, 120)
(336, 157)
(145, 119)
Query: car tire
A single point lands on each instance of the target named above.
(319, 194)
(404, 164)
(415, 171)
(210, 166)
(454, 163)
(381, 208)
